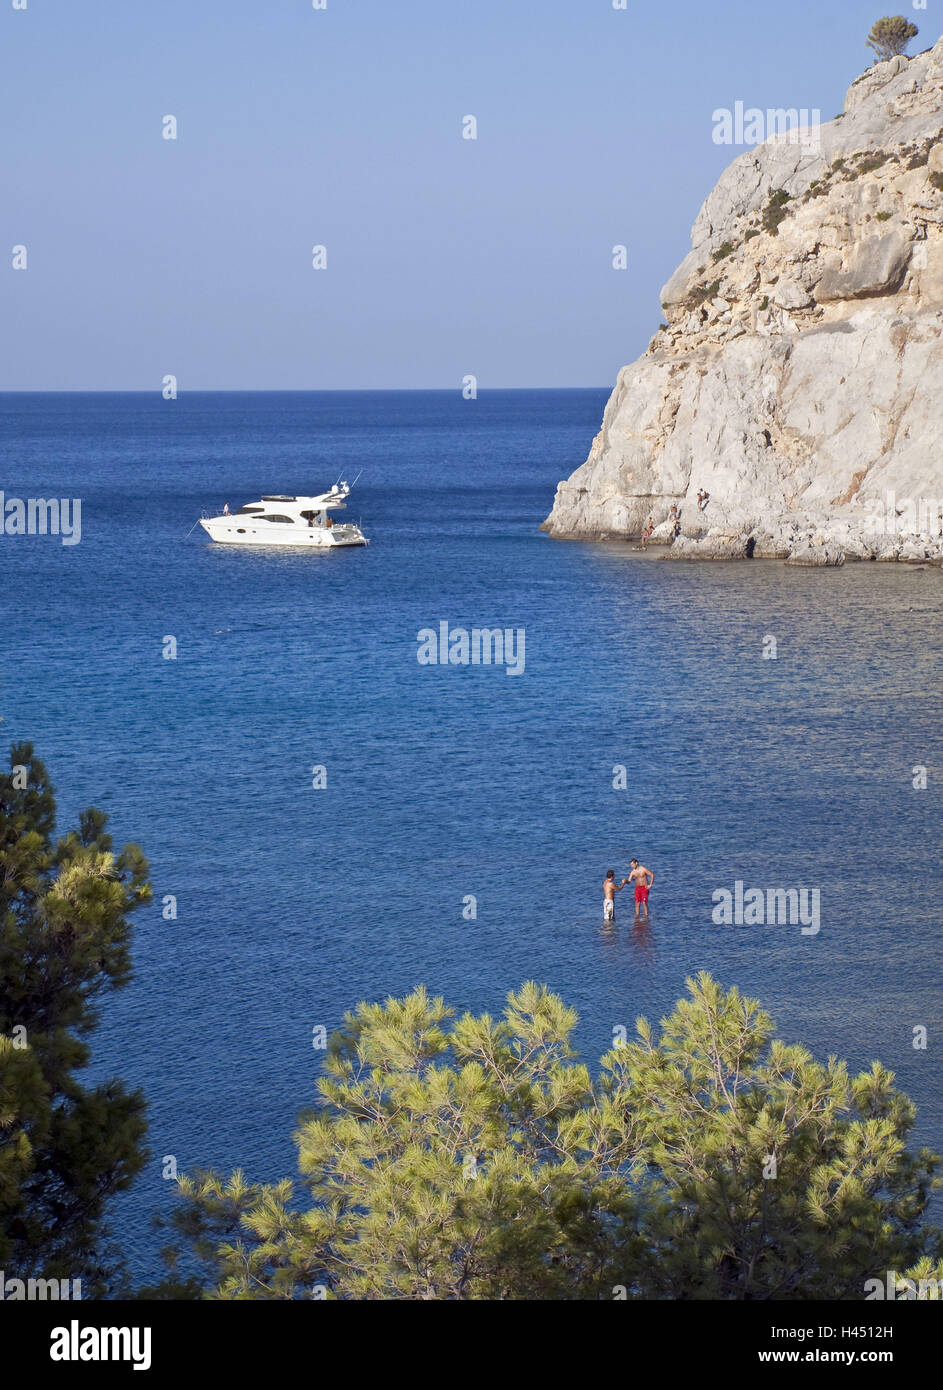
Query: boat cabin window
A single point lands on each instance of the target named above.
(276, 518)
(242, 510)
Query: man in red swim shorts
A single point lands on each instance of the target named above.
(643, 879)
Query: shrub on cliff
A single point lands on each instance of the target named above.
(776, 210)
(890, 36)
(477, 1159)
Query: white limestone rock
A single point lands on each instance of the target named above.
(789, 294)
(816, 555)
(804, 387)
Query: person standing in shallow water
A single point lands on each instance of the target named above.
(609, 890)
(643, 879)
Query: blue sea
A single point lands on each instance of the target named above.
(445, 783)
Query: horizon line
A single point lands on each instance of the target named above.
(275, 390)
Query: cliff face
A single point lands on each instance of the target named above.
(799, 377)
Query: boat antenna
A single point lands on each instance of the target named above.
(355, 480)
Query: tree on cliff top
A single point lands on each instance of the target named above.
(476, 1159)
(890, 36)
(64, 942)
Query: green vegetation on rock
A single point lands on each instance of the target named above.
(891, 36)
(776, 210)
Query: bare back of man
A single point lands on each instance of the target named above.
(609, 890)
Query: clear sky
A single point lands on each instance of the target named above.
(342, 127)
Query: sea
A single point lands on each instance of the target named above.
(332, 819)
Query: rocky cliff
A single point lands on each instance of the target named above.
(798, 378)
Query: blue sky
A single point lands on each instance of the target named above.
(343, 127)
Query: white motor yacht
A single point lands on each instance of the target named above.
(279, 520)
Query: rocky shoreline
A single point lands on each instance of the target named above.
(798, 374)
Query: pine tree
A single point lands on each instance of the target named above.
(476, 1159)
(425, 1179)
(764, 1173)
(64, 944)
(890, 36)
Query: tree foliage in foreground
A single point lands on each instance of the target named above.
(64, 944)
(890, 36)
(476, 1158)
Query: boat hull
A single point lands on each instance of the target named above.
(229, 530)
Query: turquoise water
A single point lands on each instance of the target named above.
(450, 781)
